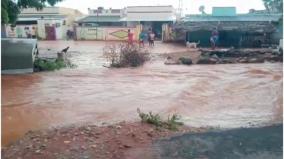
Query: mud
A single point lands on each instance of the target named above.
(117, 141)
(226, 96)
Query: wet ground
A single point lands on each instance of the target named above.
(226, 96)
(245, 143)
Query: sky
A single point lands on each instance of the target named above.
(189, 6)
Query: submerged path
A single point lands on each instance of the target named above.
(231, 95)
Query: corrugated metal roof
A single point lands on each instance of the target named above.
(100, 19)
(242, 17)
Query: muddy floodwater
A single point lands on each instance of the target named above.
(228, 96)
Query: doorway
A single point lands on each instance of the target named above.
(50, 33)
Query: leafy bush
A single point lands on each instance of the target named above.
(51, 65)
(172, 123)
(125, 55)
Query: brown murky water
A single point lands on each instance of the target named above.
(228, 96)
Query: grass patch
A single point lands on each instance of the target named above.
(172, 123)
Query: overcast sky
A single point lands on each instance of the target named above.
(189, 6)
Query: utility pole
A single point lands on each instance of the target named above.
(97, 23)
(180, 6)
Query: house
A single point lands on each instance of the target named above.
(102, 17)
(238, 30)
(150, 17)
(104, 24)
(50, 23)
(113, 24)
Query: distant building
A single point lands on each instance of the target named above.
(50, 23)
(239, 30)
(150, 17)
(102, 17)
(68, 14)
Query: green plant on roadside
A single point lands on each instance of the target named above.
(172, 123)
(51, 65)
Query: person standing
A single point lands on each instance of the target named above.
(141, 39)
(148, 36)
(33, 32)
(28, 33)
(130, 37)
(152, 38)
(214, 38)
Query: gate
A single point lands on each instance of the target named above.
(50, 33)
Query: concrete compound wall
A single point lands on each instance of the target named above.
(106, 33)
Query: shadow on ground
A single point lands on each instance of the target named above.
(243, 143)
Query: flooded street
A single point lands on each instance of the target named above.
(232, 95)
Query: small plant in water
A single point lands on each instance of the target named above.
(171, 123)
(125, 55)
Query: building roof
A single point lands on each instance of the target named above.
(92, 18)
(151, 18)
(239, 17)
(45, 16)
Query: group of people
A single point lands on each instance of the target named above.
(150, 37)
(143, 37)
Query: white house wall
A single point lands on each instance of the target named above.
(60, 31)
(150, 13)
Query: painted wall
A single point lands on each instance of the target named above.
(106, 33)
(89, 33)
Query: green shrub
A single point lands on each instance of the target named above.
(172, 123)
(50, 65)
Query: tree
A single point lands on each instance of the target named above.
(202, 9)
(273, 5)
(11, 8)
